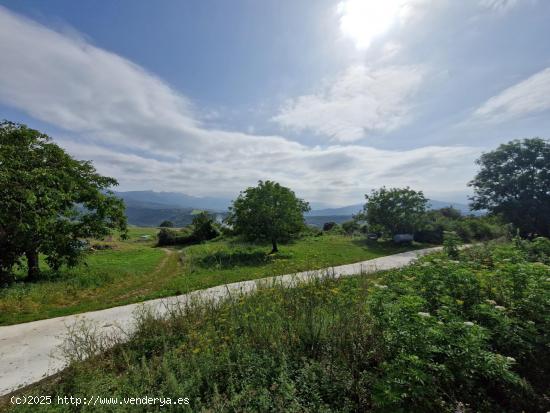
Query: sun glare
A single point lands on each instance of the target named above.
(363, 20)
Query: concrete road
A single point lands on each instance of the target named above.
(31, 351)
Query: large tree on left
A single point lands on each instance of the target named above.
(49, 202)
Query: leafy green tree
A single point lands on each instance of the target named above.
(269, 212)
(514, 181)
(49, 201)
(203, 227)
(166, 224)
(395, 210)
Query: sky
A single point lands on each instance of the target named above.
(330, 98)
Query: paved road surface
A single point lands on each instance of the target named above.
(31, 351)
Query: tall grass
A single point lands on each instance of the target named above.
(443, 335)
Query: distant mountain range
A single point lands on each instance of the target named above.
(159, 200)
(150, 208)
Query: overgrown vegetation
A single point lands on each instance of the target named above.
(469, 335)
(468, 228)
(201, 229)
(132, 271)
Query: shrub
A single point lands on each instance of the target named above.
(350, 227)
(327, 226)
(167, 237)
(451, 244)
(202, 229)
(166, 224)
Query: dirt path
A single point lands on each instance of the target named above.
(30, 352)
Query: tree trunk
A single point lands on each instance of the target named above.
(33, 272)
(274, 244)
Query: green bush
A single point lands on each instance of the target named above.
(350, 227)
(468, 228)
(327, 226)
(167, 237)
(202, 229)
(451, 244)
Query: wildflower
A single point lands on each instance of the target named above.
(500, 307)
(421, 314)
(511, 359)
(468, 323)
(381, 286)
(492, 302)
(459, 302)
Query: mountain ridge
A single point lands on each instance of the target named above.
(149, 208)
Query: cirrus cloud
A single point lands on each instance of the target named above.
(530, 96)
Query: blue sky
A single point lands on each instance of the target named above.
(331, 98)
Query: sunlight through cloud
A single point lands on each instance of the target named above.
(363, 20)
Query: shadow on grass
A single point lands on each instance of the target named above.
(225, 259)
(386, 247)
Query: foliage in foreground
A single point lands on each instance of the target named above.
(441, 336)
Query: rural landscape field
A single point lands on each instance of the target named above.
(277, 206)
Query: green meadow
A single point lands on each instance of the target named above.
(134, 270)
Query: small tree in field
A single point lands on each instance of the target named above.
(49, 201)
(514, 181)
(395, 210)
(166, 224)
(269, 212)
(203, 227)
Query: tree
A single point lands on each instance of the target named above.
(203, 227)
(49, 201)
(514, 181)
(395, 210)
(166, 224)
(269, 212)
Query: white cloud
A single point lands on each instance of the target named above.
(503, 6)
(136, 128)
(359, 101)
(529, 96)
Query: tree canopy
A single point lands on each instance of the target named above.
(49, 202)
(394, 210)
(166, 224)
(203, 227)
(514, 181)
(269, 212)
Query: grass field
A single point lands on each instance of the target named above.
(443, 335)
(134, 270)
